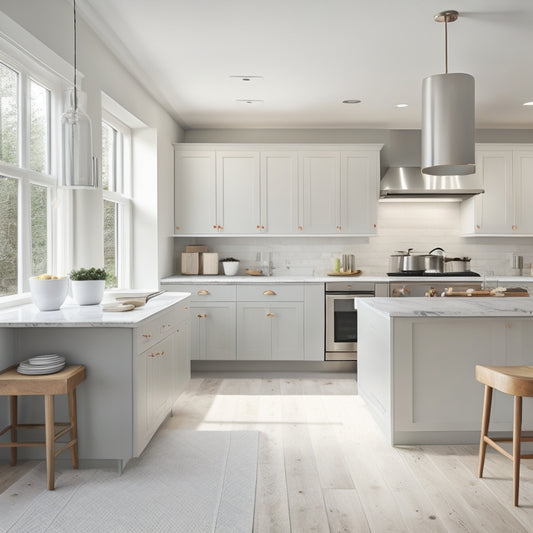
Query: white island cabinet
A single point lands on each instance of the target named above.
(137, 364)
(417, 358)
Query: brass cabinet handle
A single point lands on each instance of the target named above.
(514, 227)
(269, 293)
(258, 226)
(203, 292)
(147, 335)
(205, 315)
(339, 227)
(270, 314)
(300, 228)
(214, 226)
(220, 227)
(198, 316)
(262, 227)
(177, 227)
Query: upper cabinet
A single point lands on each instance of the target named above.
(276, 189)
(505, 172)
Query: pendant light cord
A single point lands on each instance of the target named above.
(75, 63)
(445, 42)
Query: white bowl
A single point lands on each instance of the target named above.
(48, 294)
(87, 292)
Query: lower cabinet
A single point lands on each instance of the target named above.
(161, 372)
(266, 331)
(213, 330)
(255, 321)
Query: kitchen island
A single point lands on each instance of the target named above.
(417, 358)
(137, 364)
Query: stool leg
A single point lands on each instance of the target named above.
(73, 418)
(484, 428)
(13, 416)
(50, 442)
(517, 430)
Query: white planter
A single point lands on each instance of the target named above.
(230, 267)
(48, 294)
(89, 292)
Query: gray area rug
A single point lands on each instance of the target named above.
(185, 481)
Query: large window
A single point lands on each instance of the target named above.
(27, 175)
(116, 184)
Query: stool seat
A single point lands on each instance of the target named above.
(13, 384)
(518, 382)
(515, 380)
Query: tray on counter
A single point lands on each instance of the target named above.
(351, 273)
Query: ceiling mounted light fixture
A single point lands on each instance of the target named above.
(448, 118)
(78, 168)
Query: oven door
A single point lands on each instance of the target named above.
(341, 326)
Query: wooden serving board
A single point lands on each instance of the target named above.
(484, 293)
(352, 273)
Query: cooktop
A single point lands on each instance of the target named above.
(435, 274)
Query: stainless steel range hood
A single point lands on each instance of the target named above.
(409, 182)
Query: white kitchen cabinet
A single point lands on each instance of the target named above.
(237, 324)
(195, 206)
(505, 172)
(213, 330)
(238, 188)
(270, 331)
(279, 192)
(359, 192)
(319, 192)
(276, 189)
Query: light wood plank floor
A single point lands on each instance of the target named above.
(325, 466)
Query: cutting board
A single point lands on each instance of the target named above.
(484, 293)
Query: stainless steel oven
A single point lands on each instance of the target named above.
(341, 317)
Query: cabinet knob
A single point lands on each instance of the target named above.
(514, 227)
(300, 228)
(221, 227)
(269, 293)
(186, 307)
(478, 226)
(258, 226)
(375, 225)
(177, 227)
(214, 226)
(203, 292)
(270, 314)
(152, 354)
(338, 228)
(205, 315)
(162, 352)
(198, 316)
(262, 227)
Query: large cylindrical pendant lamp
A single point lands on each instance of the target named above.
(448, 124)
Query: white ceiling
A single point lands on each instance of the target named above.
(312, 54)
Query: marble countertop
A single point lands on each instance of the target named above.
(332, 279)
(491, 306)
(73, 315)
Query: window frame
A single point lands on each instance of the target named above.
(29, 70)
(121, 196)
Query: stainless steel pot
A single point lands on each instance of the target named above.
(413, 262)
(457, 264)
(434, 261)
(395, 262)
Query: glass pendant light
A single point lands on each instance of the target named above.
(78, 164)
(448, 118)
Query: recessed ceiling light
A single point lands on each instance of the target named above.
(351, 101)
(528, 103)
(249, 101)
(401, 105)
(246, 77)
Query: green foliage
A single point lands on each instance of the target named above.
(84, 274)
(229, 260)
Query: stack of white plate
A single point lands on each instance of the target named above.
(42, 364)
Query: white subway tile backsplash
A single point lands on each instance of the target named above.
(401, 225)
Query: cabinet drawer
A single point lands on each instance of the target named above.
(155, 330)
(270, 292)
(212, 293)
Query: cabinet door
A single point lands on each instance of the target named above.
(195, 192)
(319, 192)
(181, 360)
(494, 210)
(287, 331)
(359, 192)
(523, 184)
(279, 192)
(253, 331)
(140, 421)
(238, 192)
(213, 331)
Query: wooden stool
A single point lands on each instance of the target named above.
(13, 384)
(515, 380)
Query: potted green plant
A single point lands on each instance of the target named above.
(87, 285)
(230, 266)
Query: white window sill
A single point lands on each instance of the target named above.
(14, 300)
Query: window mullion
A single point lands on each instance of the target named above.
(24, 235)
(24, 121)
